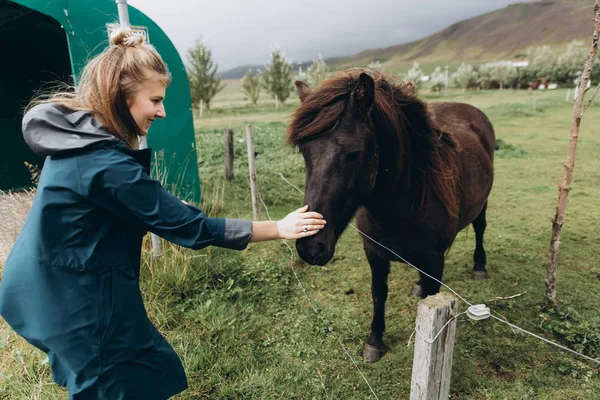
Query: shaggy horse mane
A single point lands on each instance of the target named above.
(414, 145)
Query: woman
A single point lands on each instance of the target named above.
(71, 283)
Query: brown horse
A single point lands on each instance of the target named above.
(413, 175)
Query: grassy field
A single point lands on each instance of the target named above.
(244, 329)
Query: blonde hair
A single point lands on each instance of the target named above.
(110, 79)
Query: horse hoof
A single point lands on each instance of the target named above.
(372, 353)
(479, 275)
(417, 291)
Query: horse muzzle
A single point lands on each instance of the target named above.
(317, 249)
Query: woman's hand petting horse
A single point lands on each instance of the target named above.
(300, 223)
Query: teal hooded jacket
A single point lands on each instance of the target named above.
(70, 285)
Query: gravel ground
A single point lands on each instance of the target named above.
(14, 208)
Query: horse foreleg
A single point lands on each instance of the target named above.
(380, 270)
(433, 264)
(479, 259)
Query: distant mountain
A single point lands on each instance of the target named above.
(239, 72)
(499, 35)
(502, 34)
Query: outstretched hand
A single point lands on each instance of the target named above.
(300, 223)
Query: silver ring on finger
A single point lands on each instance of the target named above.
(305, 229)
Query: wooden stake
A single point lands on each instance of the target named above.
(252, 168)
(565, 186)
(157, 248)
(229, 155)
(432, 364)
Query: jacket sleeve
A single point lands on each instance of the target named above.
(119, 184)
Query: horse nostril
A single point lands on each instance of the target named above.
(320, 250)
(311, 252)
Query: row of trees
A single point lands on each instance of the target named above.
(543, 64)
(276, 79)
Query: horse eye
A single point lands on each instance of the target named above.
(352, 156)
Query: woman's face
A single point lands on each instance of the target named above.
(146, 104)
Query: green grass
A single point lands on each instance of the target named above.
(244, 329)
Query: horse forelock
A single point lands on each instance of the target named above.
(323, 108)
(318, 113)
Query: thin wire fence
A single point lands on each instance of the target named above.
(497, 317)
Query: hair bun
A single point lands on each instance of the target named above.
(124, 36)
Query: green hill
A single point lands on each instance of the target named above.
(498, 35)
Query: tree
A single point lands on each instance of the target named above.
(415, 75)
(251, 86)
(495, 75)
(277, 77)
(465, 76)
(574, 57)
(437, 79)
(569, 63)
(542, 62)
(316, 72)
(505, 75)
(376, 65)
(565, 187)
(511, 79)
(485, 76)
(202, 74)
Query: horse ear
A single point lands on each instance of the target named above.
(303, 90)
(410, 88)
(364, 94)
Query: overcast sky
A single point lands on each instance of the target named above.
(242, 32)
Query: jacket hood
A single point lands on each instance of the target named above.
(51, 128)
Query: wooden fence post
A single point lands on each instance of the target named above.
(432, 364)
(157, 248)
(252, 168)
(229, 155)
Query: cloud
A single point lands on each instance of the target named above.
(240, 32)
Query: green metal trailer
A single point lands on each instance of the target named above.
(43, 42)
